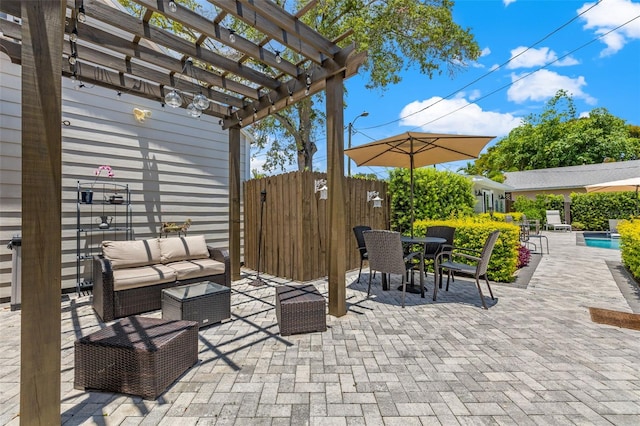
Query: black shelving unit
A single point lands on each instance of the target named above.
(103, 213)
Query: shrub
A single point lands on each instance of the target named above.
(472, 232)
(593, 210)
(536, 209)
(629, 231)
(436, 195)
(524, 256)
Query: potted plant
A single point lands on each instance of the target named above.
(87, 194)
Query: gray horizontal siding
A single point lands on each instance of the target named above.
(177, 167)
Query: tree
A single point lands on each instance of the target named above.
(396, 34)
(558, 138)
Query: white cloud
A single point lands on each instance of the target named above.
(534, 58)
(611, 14)
(459, 116)
(543, 85)
(485, 52)
(508, 2)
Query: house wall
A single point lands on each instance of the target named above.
(177, 167)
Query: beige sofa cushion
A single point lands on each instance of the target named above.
(187, 269)
(183, 248)
(142, 276)
(129, 254)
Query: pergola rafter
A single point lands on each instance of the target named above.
(244, 80)
(241, 93)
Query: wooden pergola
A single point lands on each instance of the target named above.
(244, 79)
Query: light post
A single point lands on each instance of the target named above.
(350, 130)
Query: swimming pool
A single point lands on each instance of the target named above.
(602, 242)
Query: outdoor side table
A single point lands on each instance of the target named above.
(300, 309)
(206, 302)
(137, 355)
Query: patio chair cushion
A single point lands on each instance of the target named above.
(183, 248)
(129, 254)
(142, 276)
(187, 269)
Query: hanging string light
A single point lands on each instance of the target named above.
(173, 7)
(193, 110)
(232, 36)
(200, 101)
(278, 57)
(82, 17)
(173, 99)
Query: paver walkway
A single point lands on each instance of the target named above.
(533, 358)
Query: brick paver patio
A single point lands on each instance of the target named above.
(533, 358)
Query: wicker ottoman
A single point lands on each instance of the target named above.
(207, 303)
(138, 356)
(300, 309)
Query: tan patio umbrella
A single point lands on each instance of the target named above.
(412, 149)
(631, 184)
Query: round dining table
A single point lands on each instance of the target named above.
(405, 239)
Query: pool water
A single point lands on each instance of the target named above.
(609, 243)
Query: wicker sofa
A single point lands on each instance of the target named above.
(129, 276)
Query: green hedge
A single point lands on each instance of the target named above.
(436, 195)
(472, 233)
(536, 209)
(629, 231)
(593, 210)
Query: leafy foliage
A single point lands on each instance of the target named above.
(536, 209)
(472, 232)
(524, 256)
(629, 231)
(558, 138)
(436, 194)
(396, 34)
(593, 210)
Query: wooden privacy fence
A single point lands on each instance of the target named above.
(295, 230)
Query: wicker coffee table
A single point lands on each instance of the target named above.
(207, 303)
(137, 355)
(300, 309)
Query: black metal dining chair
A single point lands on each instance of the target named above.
(385, 254)
(478, 263)
(357, 231)
(431, 250)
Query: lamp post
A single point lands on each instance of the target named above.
(350, 130)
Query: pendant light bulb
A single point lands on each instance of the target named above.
(173, 7)
(278, 57)
(81, 15)
(200, 101)
(73, 37)
(194, 111)
(173, 99)
(73, 59)
(232, 36)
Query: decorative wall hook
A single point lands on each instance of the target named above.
(141, 114)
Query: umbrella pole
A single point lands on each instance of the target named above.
(411, 174)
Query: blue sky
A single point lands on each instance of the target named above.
(564, 53)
